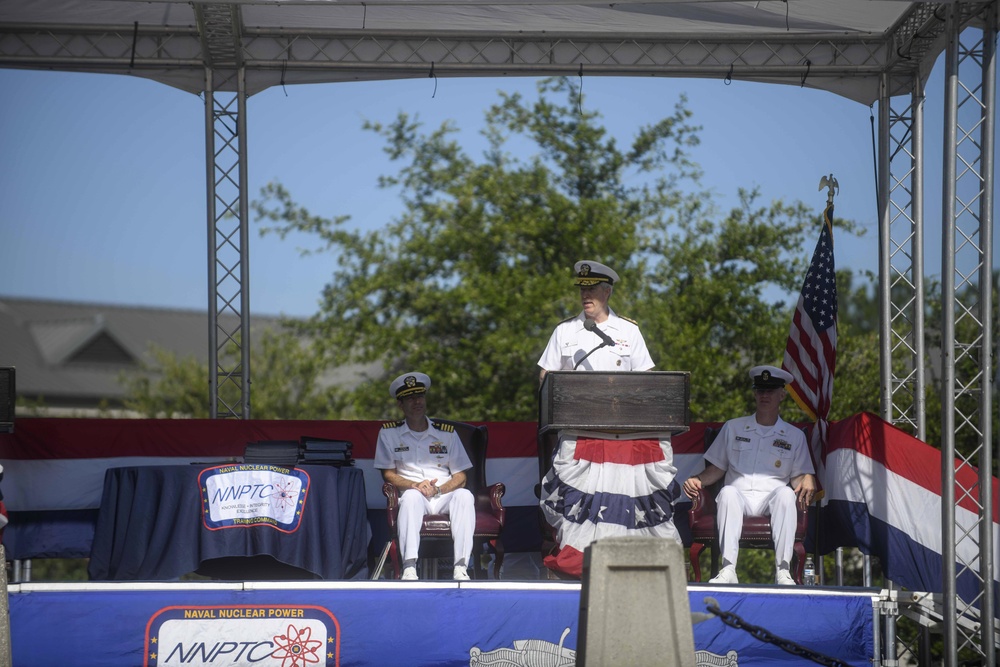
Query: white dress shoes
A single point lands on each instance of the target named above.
(726, 575)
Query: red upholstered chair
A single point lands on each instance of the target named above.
(756, 529)
(435, 535)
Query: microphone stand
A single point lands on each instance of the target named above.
(603, 344)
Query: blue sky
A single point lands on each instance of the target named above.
(102, 177)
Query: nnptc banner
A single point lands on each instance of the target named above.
(253, 495)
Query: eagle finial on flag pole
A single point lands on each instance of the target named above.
(831, 183)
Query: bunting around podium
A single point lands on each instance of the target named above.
(606, 485)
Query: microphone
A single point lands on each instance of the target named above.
(591, 325)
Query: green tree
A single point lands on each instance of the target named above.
(468, 283)
(968, 368)
(859, 347)
(705, 297)
(287, 383)
(168, 387)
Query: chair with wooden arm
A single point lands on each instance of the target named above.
(435, 534)
(756, 529)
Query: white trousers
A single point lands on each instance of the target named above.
(459, 505)
(779, 504)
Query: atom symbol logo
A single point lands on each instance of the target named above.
(295, 648)
(283, 497)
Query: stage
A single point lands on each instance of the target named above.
(380, 623)
(54, 487)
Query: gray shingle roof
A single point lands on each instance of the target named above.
(72, 353)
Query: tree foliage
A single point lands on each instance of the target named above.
(970, 359)
(167, 387)
(469, 281)
(286, 383)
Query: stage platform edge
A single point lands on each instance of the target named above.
(375, 623)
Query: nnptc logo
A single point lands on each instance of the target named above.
(278, 636)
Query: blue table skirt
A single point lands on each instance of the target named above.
(153, 526)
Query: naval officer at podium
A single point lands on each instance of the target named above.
(596, 339)
(602, 485)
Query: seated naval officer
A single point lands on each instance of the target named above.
(426, 462)
(768, 469)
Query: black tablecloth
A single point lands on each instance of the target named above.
(151, 527)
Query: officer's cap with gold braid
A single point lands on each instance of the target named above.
(769, 377)
(588, 272)
(409, 384)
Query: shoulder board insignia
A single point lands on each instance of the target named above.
(568, 319)
(392, 424)
(450, 428)
(629, 319)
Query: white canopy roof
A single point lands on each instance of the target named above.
(843, 46)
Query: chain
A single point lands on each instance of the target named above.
(761, 634)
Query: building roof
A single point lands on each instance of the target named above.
(71, 354)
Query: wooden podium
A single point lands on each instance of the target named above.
(618, 402)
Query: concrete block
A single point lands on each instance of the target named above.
(634, 608)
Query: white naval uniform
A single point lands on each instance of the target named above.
(432, 454)
(570, 342)
(759, 462)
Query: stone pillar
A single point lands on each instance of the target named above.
(634, 606)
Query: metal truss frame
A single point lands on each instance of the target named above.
(966, 331)
(229, 260)
(966, 326)
(329, 55)
(391, 54)
(901, 280)
(901, 298)
(228, 215)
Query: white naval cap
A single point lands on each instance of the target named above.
(587, 272)
(409, 384)
(769, 377)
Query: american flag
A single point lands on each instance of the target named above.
(811, 351)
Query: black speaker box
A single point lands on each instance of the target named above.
(7, 396)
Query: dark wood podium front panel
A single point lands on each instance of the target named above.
(615, 402)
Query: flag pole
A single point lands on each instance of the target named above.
(831, 185)
(811, 351)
